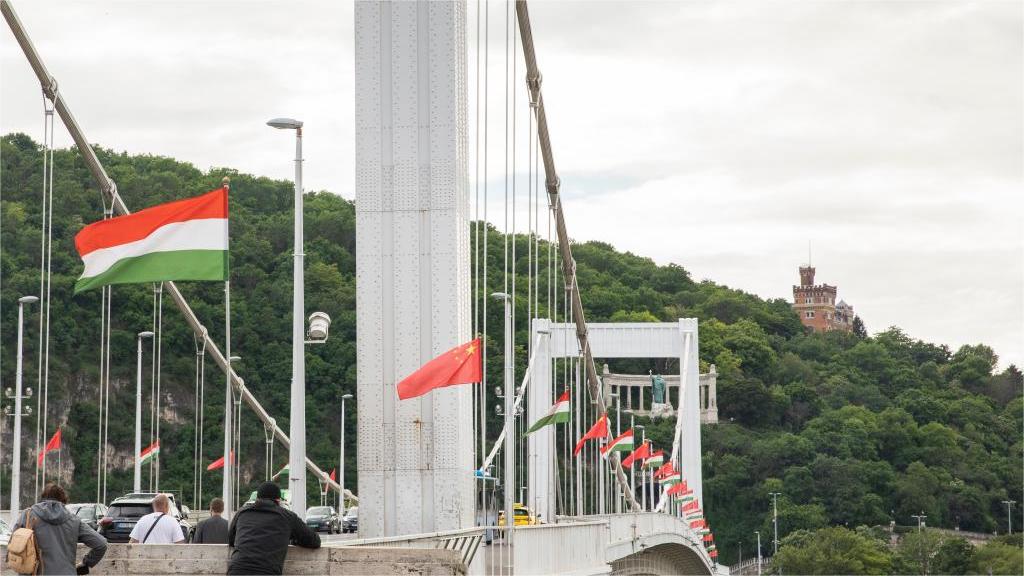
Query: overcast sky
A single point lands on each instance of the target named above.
(723, 136)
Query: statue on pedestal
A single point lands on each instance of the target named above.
(660, 408)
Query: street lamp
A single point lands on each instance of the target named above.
(138, 409)
(297, 414)
(509, 413)
(758, 532)
(341, 457)
(1009, 519)
(775, 520)
(16, 459)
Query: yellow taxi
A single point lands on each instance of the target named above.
(523, 516)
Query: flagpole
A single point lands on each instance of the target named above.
(226, 490)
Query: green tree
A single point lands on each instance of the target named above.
(858, 328)
(954, 556)
(833, 550)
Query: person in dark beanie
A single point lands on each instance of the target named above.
(58, 533)
(213, 530)
(261, 532)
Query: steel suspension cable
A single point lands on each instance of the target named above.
(42, 287)
(553, 185)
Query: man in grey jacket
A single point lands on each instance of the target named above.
(58, 533)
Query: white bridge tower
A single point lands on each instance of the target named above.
(412, 263)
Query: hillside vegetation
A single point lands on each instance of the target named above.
(852, 430)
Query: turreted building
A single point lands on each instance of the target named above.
(817, 307)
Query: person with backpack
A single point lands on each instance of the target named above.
(46, 536)
(157, 527)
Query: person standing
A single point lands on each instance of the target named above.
(157, 527)
(261, 532)
(213, 530)
(58, 533)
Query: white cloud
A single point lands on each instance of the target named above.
(719, 135)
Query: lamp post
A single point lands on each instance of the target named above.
(297, 414)
(618, 431)
(137, 485)
(775, 521)
(1009, 518)
(510, 446)
(643, 473)
(237, 434)
(341, 457)
(758, 532)
(16, 458)
(920, 520)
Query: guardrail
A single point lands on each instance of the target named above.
(560, 548)
(465, 541)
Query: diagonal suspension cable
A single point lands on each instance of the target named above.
(553, 184)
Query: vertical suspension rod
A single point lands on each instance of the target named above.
(553, 184)
(109, 190)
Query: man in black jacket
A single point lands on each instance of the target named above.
(261, 532)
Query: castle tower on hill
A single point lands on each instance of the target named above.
(816, 304)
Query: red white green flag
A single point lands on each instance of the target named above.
(181, 240)
(558, 414)
(655, 460)
(151, 451)
(624, 443)
(672, 478)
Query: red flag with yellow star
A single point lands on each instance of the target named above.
(460, 365)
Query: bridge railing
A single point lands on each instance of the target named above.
(632, 527)
(560, 548)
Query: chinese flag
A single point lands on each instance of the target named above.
(679, 489)
(334, 475)
(709, 537)
(665, 470)
(53, 444)
(644, 451)
(219, 462)
(460, 365)
(697, 524)
(597, 431)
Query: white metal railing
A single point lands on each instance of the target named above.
(465, 541)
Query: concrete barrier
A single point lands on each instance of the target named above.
(202, 559)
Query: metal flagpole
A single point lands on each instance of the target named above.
(226, 490)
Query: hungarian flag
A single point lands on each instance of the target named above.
(697, 524)
(665, 470)
(691, 506)
(149, 452)
(672, 478)
(460, 365)
(283, 470)
(624, 443)
(711, 548)
(598, 431)
(219, 462)
(655, 460)
(713, 554)
(694, 515)
(182, 240)
(640, 453)
(709, 537)
(558, 414)
(53, 444)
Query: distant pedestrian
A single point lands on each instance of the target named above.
(260, 534)
(213, 530)
(158, 527)
(58, 532)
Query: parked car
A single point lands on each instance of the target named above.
(286, 499)
(323, 518)
(89, 513)
(523, 516)
(124, 513)
(350, 522)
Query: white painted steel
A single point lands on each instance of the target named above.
(560, 548)
(638, 340)
(416, 456)
(540, 445)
